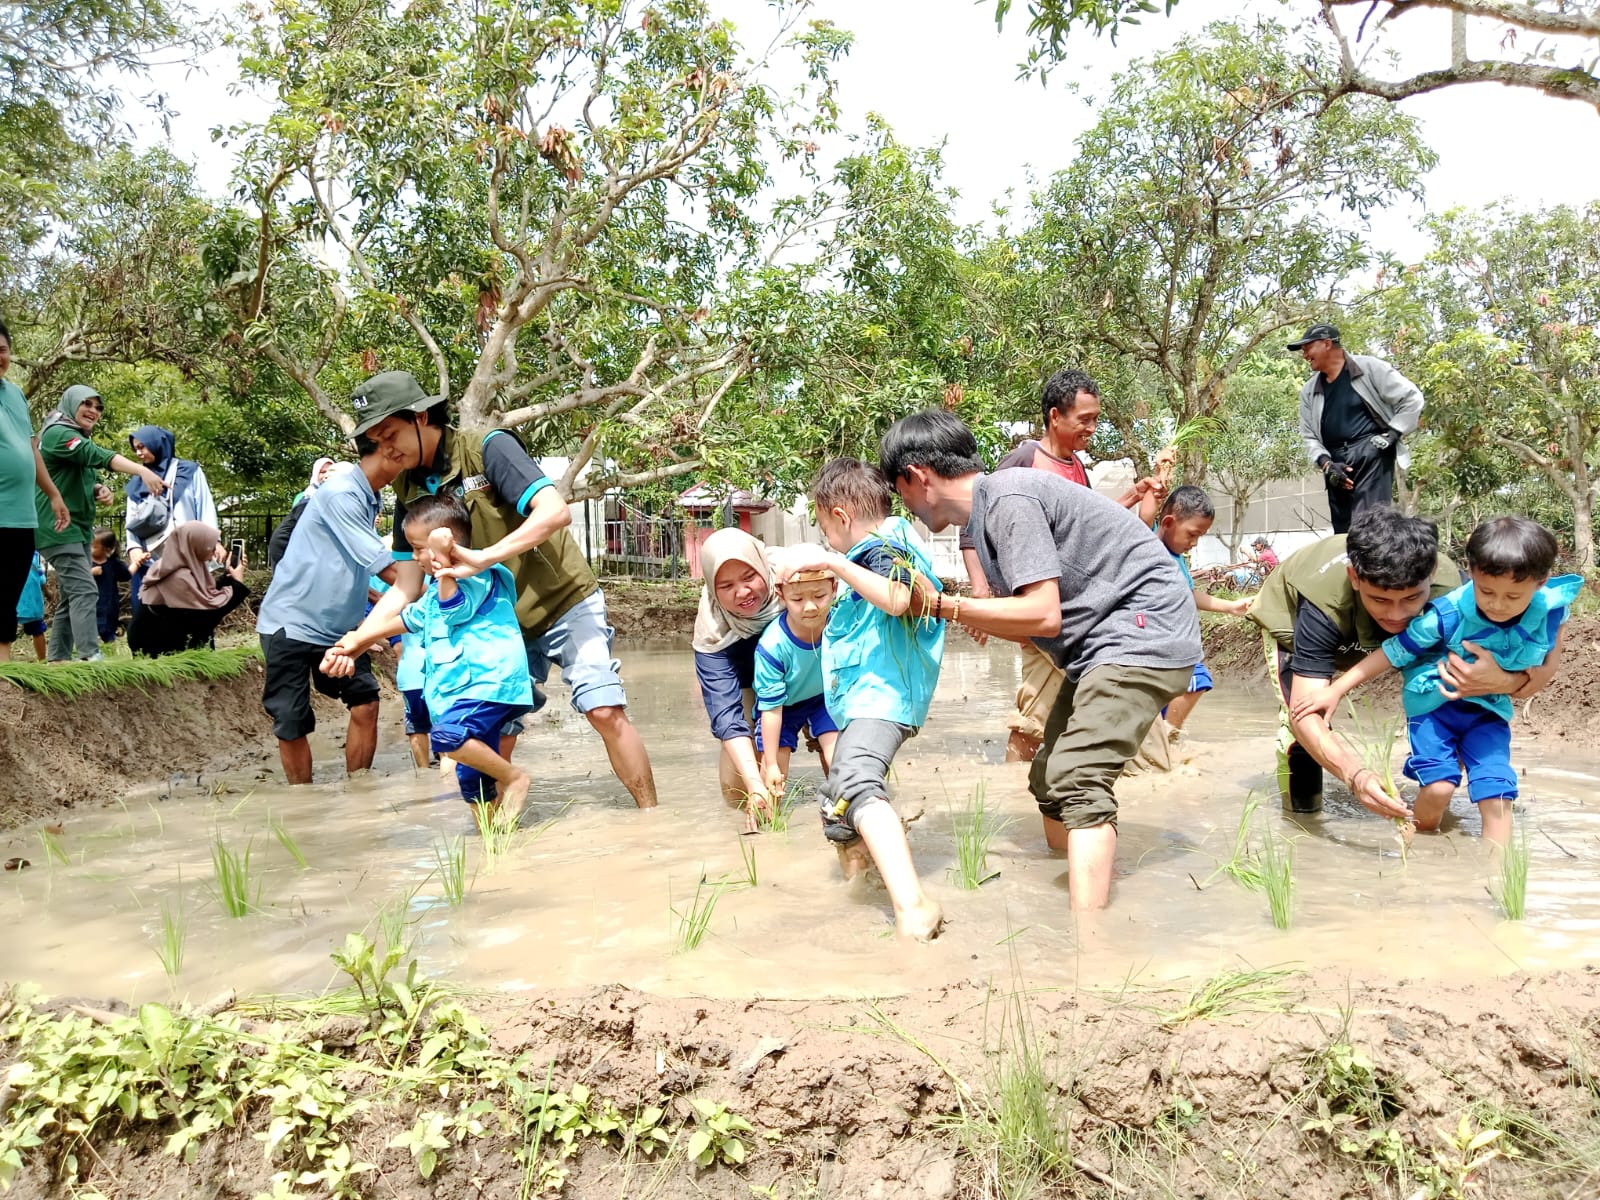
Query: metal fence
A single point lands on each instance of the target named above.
(619, 540)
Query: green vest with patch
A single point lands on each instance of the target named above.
(550, 578)
(1316, 573)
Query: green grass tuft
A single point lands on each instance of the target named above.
(975, 828)
(73, 680)
(695, 921)
(232, 873)
(286, 841)
(450, 857)
(1277, 877)
(174, 933)
(1512, 893)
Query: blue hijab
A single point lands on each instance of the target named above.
(161, 443)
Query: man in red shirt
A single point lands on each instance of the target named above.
(1070, 407)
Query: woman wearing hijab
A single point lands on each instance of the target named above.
(182, 605)
(189, 499)
(737, 602)
(319, 476)
(75, 463)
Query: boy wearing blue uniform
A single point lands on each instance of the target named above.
(30, 606)
(1511, 610)
(880, 661)
(1186, 516)
(475, 674)
(788, 677)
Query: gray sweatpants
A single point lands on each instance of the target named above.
(858, 774)
(73, 624)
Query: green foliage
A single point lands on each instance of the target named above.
(290, 846)
(74, 680)
(450, 864)
(174, 936)
(716, 1134)
(54, 852)
(1231, 992)
(1277, 877)
(694, 921)
(776, 819)
(1259, 438)
(1511, 891)
(747, 855)
(232, 875)
(975, 828)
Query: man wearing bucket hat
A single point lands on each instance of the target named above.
(1354, 411)
(520, 519)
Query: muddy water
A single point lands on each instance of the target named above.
(589, 893)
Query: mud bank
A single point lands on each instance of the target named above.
(1287, 1084)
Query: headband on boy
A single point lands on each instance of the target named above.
(815, 576)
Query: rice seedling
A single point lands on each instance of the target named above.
(1511, 894)
(1244, 868)
(73, 680)
(693, 923)
(496, 837)
(174, 933)
(747, 854)
(233, 879)
(54, 852)
(1231, 992)
(1277, 877)
(450, 857)
(288, 843)
(776, 819)
(1372, 737)
(975, 829)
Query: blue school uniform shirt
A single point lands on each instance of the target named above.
(875, 665)
(788, 670)
(30, 605)
(1454, 618)
(471, 645)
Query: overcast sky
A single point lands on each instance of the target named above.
(938, 70)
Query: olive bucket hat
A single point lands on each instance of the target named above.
(386, 394)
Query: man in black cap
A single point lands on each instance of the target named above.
(1353, 412)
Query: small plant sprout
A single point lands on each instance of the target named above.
(747, 854)
(1373, 738)
(232, 874)
(1511, 888)
(775, 819)
(287, 842)
(1244, 868)
(693, 922)
(174, 933)
(495, 836)
(1277, 877)
(716, 1134)
(450, 857)
(53, 850)
(975, 829)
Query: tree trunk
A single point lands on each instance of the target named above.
(1583, 532)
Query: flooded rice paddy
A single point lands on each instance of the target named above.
(595, 892)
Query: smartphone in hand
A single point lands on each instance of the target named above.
(236, 552)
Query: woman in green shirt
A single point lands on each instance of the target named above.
(21, 471)
(75, 463)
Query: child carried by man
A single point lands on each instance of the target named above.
(880, 661)
(1511, 609)
(475, 670)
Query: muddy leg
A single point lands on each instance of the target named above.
(361, 737)
(630, 761)
(1432, 801)
(1090, 853)
(513, 782)
(1496, 816)
(1178, 710)
(295, 755)
(915, 915)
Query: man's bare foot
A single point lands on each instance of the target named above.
(512, 797)
(922, 921)
(854, 859)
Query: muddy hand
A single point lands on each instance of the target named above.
(1321, 705)
(1370, 793)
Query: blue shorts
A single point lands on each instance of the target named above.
(417, 719)
(580, 644)
(812, 712)
(1200, 681)
(1457, 735)
(34, 628)
(472, 720)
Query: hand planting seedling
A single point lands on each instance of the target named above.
(1373, 740)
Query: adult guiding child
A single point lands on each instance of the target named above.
(1354, 412)
(1090, 585)
(1331, 603)
(519, 519)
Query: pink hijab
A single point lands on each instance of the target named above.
(180, 577)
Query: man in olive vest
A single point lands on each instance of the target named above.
(1329, 605)
(520, 519)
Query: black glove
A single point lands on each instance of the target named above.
(1338, 474)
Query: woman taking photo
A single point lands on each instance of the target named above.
(181, 605)
(151, 519)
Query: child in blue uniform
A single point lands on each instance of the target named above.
(30, 606)
(475, 671)
(1512, 610)
(788, 677)
(880, 662)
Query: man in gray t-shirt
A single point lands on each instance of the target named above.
(1092, 587)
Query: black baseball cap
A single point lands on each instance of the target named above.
(1316, 333)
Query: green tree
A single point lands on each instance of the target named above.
(1215, 203)
(530, 205)
(1258, 437)
(1549, 46)
(1500, 326)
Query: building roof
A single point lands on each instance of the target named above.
(705, 498)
